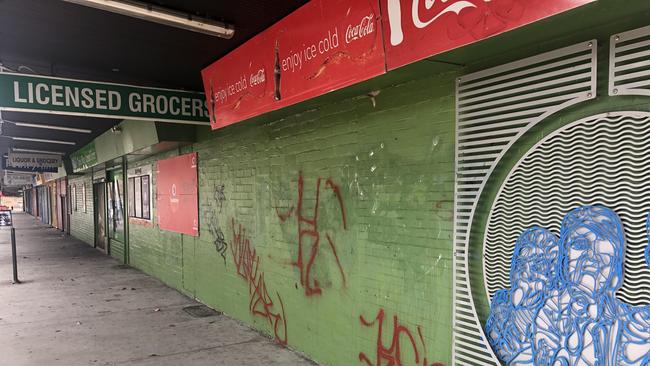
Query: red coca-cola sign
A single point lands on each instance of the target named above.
(416, 29)
(323, 46)
(329, 44)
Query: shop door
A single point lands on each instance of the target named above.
(99, 196)
(115, 190)
(64, 213)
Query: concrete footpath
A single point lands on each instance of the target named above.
(77, 306)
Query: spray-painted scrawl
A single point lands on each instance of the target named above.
(561, 309)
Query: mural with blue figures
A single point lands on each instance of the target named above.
(561, 309)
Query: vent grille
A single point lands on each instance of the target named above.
(493, 109)
(598, 161)
(629, 66)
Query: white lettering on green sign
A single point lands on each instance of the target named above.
(67, 96)
(32, 93)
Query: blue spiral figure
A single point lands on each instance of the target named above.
(533, 271)
(561, 308)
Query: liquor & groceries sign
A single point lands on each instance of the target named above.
(34, 162)
(329, 44)
(41, 94)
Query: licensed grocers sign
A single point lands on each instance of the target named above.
(323, 46)
(40, 94)
(416, 29)
(330, 44)
(40, 163)
(177, 201)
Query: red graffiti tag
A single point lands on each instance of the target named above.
(392, 356)
(308, 229)
(284, 216)
(261, 304)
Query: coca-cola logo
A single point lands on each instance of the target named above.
(257, 78)
(395, 14)
(365, 27)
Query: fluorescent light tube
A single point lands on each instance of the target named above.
(16, 149)
(156, 14)
(51, 127)
(41, 140)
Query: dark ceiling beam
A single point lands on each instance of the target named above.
(56, 38)
(61, 39)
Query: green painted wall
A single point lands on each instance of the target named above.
(388, 169)
(117, 250)
(392, 166)
(159, 253)
(82, 223)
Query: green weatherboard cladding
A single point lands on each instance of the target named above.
(29, 93)
(82, 221)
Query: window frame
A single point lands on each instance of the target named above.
(84, 198)
(75, 198)
(147, 215)
(138, 180)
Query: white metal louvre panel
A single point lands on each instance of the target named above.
(600, 160)
(629, 63)
(494, 108)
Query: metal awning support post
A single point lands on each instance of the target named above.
(7, 219)
(14, 260)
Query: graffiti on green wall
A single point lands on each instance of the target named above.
(248, 265)
(310, 235)
(402, 334)
(216, 208)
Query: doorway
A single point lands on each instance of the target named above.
(116, 216)
(99, 196)
(63, 204)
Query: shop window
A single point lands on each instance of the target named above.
(69, 200)
(83, 197)
(131, 200)
(74, 197)
(140, 197)
(146, 211)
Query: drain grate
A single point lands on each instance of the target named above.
(200, 311)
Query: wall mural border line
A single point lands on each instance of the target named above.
(505, 101)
